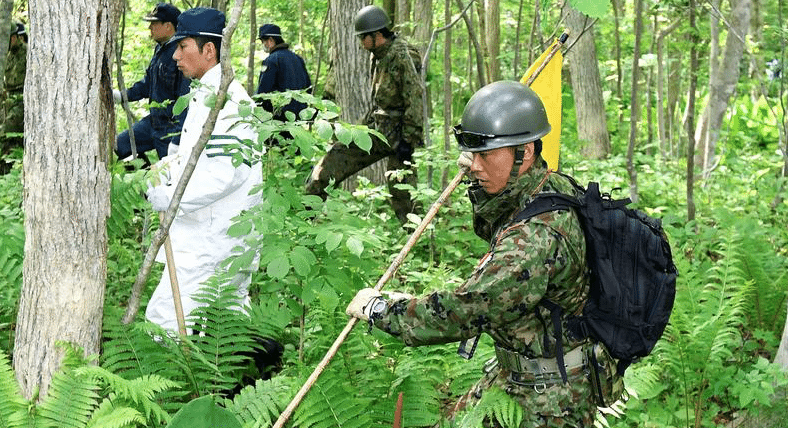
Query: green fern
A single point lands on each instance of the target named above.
(333, 403)
(495, 405)
(12, 405)
(260, 405)
(225, 337)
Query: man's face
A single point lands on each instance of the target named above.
(160, 31)
(492, 168)
(268, 44)
(367, 40)
(193, 63)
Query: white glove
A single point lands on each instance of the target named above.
(465, 160)
(360, 306)
(396, 295)
(172, 149)
(158, 198)
(116, 96)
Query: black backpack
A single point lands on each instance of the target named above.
(633, 278)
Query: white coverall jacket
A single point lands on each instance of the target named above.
(216, 192)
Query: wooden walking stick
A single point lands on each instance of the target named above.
(383, 279)
(176, 292)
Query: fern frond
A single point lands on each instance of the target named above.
(261, 405)
(109, 416)
(12, 406)
(495, 405)
(140, 391)
(226, 338)
(71, 399)
(332, 403)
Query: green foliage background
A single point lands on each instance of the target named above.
(711, 366)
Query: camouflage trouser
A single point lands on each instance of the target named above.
(340, 162)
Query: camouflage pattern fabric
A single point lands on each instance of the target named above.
(396, 86)
(542, 257)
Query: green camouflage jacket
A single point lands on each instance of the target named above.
(396, 86)
(543, 257)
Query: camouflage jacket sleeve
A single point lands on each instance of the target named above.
(413, 120)
(530, 260)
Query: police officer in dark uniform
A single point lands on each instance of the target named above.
(163, 84)
(282, 70)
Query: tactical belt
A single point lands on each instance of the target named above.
(540, 371)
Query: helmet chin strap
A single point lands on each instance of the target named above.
(519, 154)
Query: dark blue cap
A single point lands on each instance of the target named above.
(164, 12)
(18, 29)
(200, 21)
(269, 30)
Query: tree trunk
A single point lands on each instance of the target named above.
(6, 9)
(586, 85)
(662, 118)
(251, 84)
(757, 62)
(474, 41)
(69, 122)
(493, 34)
(693, 85)
(634, 104)
(447, 92)
(722, 82)
(402, 18)
(617, 9)
(352, 73)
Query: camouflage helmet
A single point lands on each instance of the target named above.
(370, 18)
(501, 114)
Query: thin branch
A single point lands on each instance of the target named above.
(122, 86)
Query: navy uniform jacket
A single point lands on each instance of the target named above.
(283, 70)
(163, 81)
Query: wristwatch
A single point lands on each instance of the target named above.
(377, 306)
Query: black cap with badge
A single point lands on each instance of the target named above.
(164, 12)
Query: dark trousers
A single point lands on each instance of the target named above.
(341, 161)
(146, 138)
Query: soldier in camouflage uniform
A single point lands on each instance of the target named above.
(12, 103)
(539, 258)
(398, 101)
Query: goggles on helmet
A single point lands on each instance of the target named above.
(469, 139)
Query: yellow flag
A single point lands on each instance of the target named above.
(548, 86)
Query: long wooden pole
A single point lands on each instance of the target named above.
(383, 279)
(176, 291)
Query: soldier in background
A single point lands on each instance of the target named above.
(12, 103)
(397, 98)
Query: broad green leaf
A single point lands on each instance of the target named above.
(343, 134)
(324, 130)
(332, 241)
(278, 267)
(362, 139)
(302, 259)
(355, 246)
